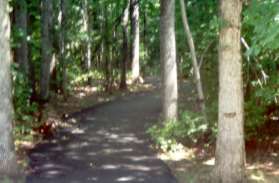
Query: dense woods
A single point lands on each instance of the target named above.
(217, 63)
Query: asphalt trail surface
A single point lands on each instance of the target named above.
(107, 144)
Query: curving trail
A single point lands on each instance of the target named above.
(107, 145)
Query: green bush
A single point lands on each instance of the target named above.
(77, 76)
(261, 69)
(190, 128)
(264, 95)
(254, 118)
(23, 108)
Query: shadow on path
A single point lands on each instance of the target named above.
(107, 145)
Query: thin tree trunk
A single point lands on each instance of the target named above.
(144, 32)
(7, 155)
(102, 46)
(135, 45)
(87, 30)
(106, 56)
(125, 59)
(102, 53)
(54, 83)
(62, 44)
(168, 60)
(48, 58)
(194, 59)
(32, 76)
(21, 52)
(125, 51)
(106, 52)
(230, 150)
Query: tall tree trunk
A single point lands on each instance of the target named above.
(194, 59)
(54, 79)
(144, 32)
(230, 151)
(21, 52)
(168, 59)
(87, 30)
(62, 44)
(48, 58)
(125, 51)
(7, 154)
(135, 45)
(106, 51)
(32, 76)
(102, 46)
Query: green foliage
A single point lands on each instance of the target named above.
(190, 128)
(269, 92)
(254, 118)
(265, 94)
(23, 108)
(264, 28)
(204, 24)
(21, 96)
(78, 77)
(261, 69)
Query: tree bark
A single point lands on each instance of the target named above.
(145, 32)
(125, 48)
(48, 58)
(103, 27)
(62, 44)
(168, 60)
(7, 155)
(87, 30)
(106, 51)
(21, 52)
(194, 59)
(230, 151)
(135, 45)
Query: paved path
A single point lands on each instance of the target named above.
(108, 145)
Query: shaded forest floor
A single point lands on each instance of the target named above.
(192, 163)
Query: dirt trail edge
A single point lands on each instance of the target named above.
(108, 144)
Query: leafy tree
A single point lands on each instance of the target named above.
(194, 60)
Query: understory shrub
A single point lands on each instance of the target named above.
(23, 107)
(264, 96)
(188, 129)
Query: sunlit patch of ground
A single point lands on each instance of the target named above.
(190, 167)
(187, 165)
(86, 96)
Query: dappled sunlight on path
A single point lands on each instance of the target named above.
(107, 144)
